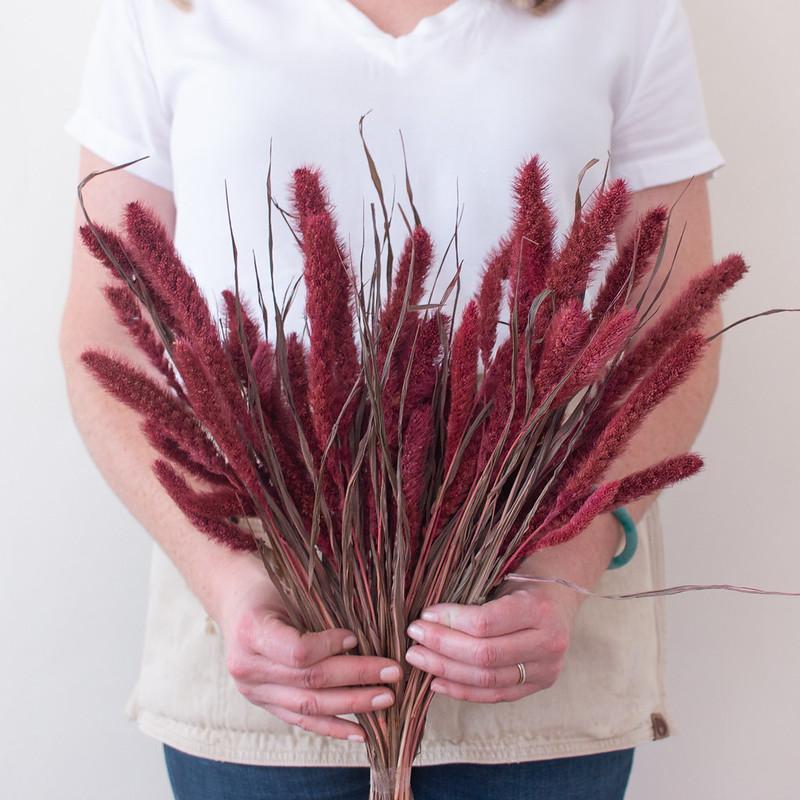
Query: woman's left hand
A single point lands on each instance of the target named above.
(473, 650)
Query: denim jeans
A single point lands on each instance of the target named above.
(603, 776)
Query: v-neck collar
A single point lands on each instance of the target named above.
(427, 30)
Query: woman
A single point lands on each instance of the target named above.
(245, 706)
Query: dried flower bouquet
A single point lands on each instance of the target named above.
(393, 460)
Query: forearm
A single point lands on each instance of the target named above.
(669, 430)
(110, 430)
(124, 457)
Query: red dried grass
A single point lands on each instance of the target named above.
(363, 451)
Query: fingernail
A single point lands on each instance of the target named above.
(356, 737)
(415, 631)
(388, 674)
(437, 687)
(349, 642)
(383, 700)
(415, 656)
(430, 616)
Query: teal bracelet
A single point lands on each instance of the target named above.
(631, 538)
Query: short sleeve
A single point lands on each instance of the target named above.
(660, 134)
(120, 115)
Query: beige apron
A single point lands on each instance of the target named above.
(610, 694)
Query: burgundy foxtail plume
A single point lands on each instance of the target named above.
(333, 361)
(412, 272)
(214, 503)
(502, 394)
(632, 263)
(296, 358)
(425, 360)
(668, 373)
(413, 468)
(604, 343)
(423, 348)
(133, 387)
(282, 429)
(204, 511)
(177, 289)
(490, 295)
(688, 310)
(463, 379)
(170, 282)
(590, 235)
(565, 337)
(129, 314)
(112, 242)
(219, 419)
(599, 501)
(532, 237)
(409, 283)
(169, 447)
(660, 476)
(252, 333)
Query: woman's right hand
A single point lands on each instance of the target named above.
(304, 679)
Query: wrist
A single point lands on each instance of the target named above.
(581, 560)
(610, 532)
(237, 580)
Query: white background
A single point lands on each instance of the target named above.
(73, 568)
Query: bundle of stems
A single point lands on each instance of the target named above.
(390, 460)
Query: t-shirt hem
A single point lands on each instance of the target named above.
(703, 158)
(93, 134)
(264, 750)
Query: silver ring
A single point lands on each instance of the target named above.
(523, 676)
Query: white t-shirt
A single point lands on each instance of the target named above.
(475, 89)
